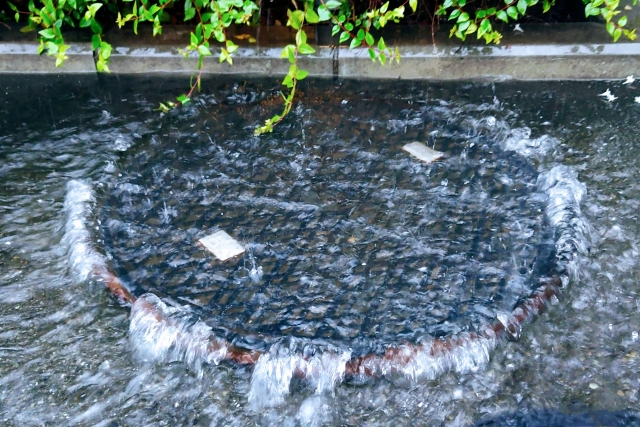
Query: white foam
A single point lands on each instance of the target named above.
(83, 257)
(273, 373)
(520, 141)
(160, 333)
(573, 233)
(470, 354)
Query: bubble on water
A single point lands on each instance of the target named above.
(519, 140)
(314, 411)
(83, 257)
(122, 143)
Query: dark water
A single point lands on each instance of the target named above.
(358, 246)
(350, 240)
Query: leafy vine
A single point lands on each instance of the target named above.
(214, 17)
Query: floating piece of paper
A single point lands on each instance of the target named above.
(422, 152)
(222, 245)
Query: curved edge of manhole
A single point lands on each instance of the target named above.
(166, 333)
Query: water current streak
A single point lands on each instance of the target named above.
(167, 333)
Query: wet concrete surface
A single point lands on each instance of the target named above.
(540, 52)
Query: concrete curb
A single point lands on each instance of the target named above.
(539, 52)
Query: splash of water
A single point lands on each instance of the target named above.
(160, 333)
(272, 375)
(83, 257)
(563, 211)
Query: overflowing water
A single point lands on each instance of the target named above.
(351, 247)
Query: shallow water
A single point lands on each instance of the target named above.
(67, 356)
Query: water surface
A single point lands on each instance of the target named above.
(66, 355)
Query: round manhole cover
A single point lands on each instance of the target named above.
(356, 245)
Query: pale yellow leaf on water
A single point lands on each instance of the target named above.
(243, 36)
(222, 245)
(422, 152)
(252, 40)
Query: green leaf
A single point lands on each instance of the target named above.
(301, 74)
(413, 4)
(485, 25)
(512, 12)
(462, 3)
(224, 56)
(95, 27)
(464, 16)
(288, 81)
(355, 43)
(501, 15)
(231, 46)
(189, 14)
(344, 37)
(332, 4)
(193, 39)
(301, 37)
(622, 21)
(369, 39)
(93, 8)
(204, 51)
(454, 14)
(348, 26)
(323, 13)
(295, 19)
(480, 14)
(335, 30)
(616, 34)
(312, 16)
(463, 26)
(372, 54)
(12, 6)
(183, 99)
(381, 45)
(522, 6)
(447, 4)
(382, 58)
(360, 34)
(610, 28)
(95, 41)
(589, 10)
(47, 34)
(305, 49)
(491, 11)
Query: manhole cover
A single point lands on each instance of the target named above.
(355, 245)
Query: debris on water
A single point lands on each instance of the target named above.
(637, 99)
(222, 245)
(518, 28)
(594, 386)
(634, 336)
(629, 80)
(422, 152)
(607, 94)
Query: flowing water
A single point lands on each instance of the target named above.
(352, 246)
